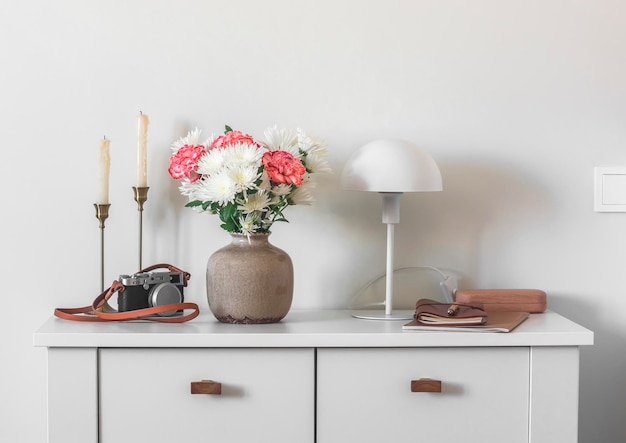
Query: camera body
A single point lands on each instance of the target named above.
(147, 290)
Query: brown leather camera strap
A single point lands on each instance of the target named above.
(100, 311)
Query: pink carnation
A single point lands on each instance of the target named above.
(185, 162)
(231, 138)
(282, 167)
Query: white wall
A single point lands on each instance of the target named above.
(516, 100)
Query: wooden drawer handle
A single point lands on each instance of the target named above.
(206, 387)
(425, 385)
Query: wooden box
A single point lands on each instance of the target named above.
(505, 300)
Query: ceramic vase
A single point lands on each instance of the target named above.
(249, 281)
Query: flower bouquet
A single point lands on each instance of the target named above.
(247, 182)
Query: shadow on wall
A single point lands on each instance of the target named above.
(481, 202)
(481, 206)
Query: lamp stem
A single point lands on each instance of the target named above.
(391, 217)
(389, 278)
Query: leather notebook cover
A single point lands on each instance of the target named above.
(496, 322)
(431, 312)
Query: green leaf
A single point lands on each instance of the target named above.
(228, 129)
(193, 204)
(228, 212)
(229, 226)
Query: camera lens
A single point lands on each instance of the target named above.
(165, 294)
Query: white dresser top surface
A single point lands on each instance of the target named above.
(302, 328)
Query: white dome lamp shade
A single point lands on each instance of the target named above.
(390, 167)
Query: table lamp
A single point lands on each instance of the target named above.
(391, 168)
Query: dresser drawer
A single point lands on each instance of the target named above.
(365, 395)
(266, 395)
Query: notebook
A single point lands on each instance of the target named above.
(496, 322)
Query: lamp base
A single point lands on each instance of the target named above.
(378, 314)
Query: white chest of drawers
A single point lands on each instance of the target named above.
(318, 376)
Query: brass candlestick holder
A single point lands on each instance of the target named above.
(141, 195)
(102, 213)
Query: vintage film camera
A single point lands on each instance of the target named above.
(146, 290)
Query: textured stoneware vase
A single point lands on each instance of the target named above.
(249, 281)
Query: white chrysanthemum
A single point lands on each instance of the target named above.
(219, 188)
(242, 154)
(311, 145)
(281, 189)
(253, 202)
(314, 153)
(315, 164)
(302, 194)
(212, 162)
(282, 139)
(192, 138)
(189, 189)
(243, 176)
(248, 224)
